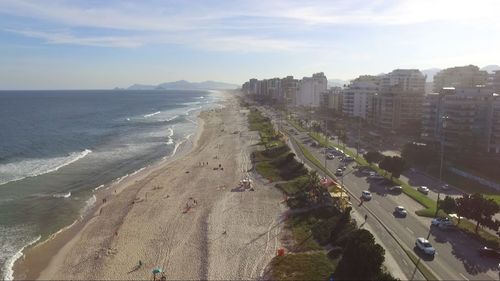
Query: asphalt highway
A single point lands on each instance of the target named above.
(456, 256)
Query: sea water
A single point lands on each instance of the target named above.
(59, 147)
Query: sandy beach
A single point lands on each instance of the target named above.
(187, 218)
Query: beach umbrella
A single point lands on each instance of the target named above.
(156, 270)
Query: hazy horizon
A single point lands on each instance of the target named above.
(105, 44)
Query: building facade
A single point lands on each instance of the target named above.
(398, 104)
(310, 89)
(358, 98)
(460, 77)
(463, 118)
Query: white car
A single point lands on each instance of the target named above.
(330, 156)
(424, 245)
(365, 194)
(401, 211)
(423, 189)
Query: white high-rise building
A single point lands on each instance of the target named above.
(310, 89)
(357, 98)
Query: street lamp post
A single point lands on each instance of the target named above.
(359, 137)
(342, 184)
(443, 126)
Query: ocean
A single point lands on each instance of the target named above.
(58, 147)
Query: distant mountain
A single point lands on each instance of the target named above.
(186, 85)
(430, 73)
(337, 83)
(141, 87)
(491, 68)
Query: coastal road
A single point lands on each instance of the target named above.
(456, 258)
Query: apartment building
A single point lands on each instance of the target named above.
(398, 104)
(329, 100)
(358, 97)
(290, 88)
(463, 118)
(310, 89)
(460, 77)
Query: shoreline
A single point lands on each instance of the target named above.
(191, 220)
(33, 260)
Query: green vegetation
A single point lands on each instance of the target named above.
(316, 226)
(313, 159)
(280, 167)
(296, 125)
(295, 186)
(494, 197)
(481, 235)
(301, 227)
(393, 164)
(302, 266)
(362, 258)
(268, 136)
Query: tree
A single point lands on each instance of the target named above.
(362, 258)
(420, 154)
(315, 185)
(373, 156)
(343, 137)
(478, 208)
(448, 205)
(393, 164)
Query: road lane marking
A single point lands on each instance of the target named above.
(405, 262)
(410, 230)
(376, 202)
(465, 278)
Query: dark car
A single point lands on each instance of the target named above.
(489, 252)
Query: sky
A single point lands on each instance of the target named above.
(95, 44)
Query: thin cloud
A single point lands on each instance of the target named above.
(220, 26)
(66, 38)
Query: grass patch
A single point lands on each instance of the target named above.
(313, 159)
(294, 186)
(257, 122)
(482, 235)
(302, 233)
(306, 227)
(495, 197)
(302, 266)
(268, 171)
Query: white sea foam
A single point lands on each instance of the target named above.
(152, 114)
(62, 195)
(128, 119)
(175, 149)
(169, 136)
(34, 167)
(138, 171)
(9, 263)
(191, 109)
(88, 205)
(99, 187)
(171, 118)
